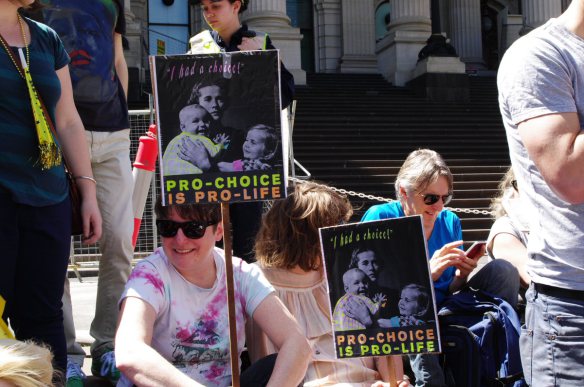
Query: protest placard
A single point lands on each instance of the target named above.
(382, 298)
(219, 127)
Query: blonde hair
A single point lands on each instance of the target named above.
(421, 168)
(505, 184)
(289, 236)
(25, 364)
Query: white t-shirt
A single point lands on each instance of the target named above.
(191, 329)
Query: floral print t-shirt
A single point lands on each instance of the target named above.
(191, 329)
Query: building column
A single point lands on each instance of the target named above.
(465, 31)
(270, 16)
(409, 29)
(537, 12)
(327, 32)
(358, 37)
(410, 15)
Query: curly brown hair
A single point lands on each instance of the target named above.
(289, 236)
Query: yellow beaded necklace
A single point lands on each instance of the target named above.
(50, 154)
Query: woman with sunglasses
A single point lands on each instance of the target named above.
(424, 187)
(174, 328)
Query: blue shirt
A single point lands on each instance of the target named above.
(21, 175)
(87, 29)
(447, 229)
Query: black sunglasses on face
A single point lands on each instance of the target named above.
(430, 199)
(192, 229)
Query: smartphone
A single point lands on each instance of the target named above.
(476, 249)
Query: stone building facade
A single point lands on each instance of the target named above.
(351, 36)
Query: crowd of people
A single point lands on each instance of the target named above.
(166, 322)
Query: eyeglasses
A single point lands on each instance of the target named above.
(430, 199)
(192, 229)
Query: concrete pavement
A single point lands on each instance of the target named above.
(83, 299)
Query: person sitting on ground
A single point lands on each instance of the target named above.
(174, 328)
(423, 187)
(25, 364)
(508, 236)
(259, 151)
(288, 253)
(356, 284)
(413, 305)
(194, 123)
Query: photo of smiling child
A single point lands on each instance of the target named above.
(194, 123)
(259, 151)
(413, 304)
(356, 284)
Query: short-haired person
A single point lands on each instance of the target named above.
(194, 124)
(174, 328)
(541, 96)
(288, 253)
(423, 187)
(223, 16)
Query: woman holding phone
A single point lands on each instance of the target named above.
(424, 187)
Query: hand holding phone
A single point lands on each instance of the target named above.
(476, 250)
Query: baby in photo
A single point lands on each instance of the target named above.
(194, 123)
(356, 284)
(413, 304)
(259, 151)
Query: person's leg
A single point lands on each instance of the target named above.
(246, 219)
(44, 244)
(110, 159)
(9, 234)
(258, 374)
(552, 340)
(427, 370)
(499, 278)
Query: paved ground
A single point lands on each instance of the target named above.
(83, 298)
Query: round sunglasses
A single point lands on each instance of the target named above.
(430, 199)
(192, 229)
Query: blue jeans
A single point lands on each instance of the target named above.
(499, 278)
(552, 340)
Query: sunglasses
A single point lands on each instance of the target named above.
(430, 199)
(191, 229)
(514, 185)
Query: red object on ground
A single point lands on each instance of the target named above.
(144, 167)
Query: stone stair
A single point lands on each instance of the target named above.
(353, 131)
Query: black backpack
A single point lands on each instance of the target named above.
(480, 341)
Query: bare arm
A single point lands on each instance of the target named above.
(383, 364)
(71, 136)
(294, 351)
(508, 247)
(555, 143)
(120, 62)
(135, 358)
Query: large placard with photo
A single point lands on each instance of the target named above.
(381, 293)
(219, 127)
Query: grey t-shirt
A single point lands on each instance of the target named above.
(543, 73)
